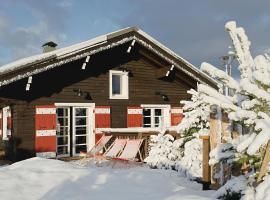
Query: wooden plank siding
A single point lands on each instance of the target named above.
(58, 84)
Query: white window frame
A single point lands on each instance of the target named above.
(68, 146)
(165, 113)
(91, 114)
(124, 85)
(4, 124)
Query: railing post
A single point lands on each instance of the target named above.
(206, 170)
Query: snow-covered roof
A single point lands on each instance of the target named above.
(74, 52)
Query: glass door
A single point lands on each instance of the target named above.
(81, 130)
(63, 131)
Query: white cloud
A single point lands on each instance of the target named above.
(22, 41)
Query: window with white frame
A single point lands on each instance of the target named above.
(156, 115)
(118, 84)
(153, 117)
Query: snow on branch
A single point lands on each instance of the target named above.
(241, 45)
(220, 75)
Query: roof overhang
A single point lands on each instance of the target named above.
(30, 66)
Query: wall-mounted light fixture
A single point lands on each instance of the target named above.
(124, 69)
(80, 93)
(163, 96)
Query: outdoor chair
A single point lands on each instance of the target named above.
(131, 150)
(116, 148)
(99, 146)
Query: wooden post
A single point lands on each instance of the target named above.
(214, 126)
(226, 128)
(205, 166)
(265, 162)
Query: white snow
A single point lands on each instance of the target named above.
(191, 163)
(38, 178)
(263, 190)
(236, 184)
(221, 75)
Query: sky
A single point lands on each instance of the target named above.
(192, 28)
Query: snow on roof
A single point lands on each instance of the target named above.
(62, 53)
(56, 53)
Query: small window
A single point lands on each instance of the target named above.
(153, 117)
(118, 84)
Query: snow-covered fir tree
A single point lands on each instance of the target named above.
(250, 105)
(184, 154)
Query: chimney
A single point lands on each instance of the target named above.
(49, 46)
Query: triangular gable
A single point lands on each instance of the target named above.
(30, 66)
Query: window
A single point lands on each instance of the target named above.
(156, 115)
(153, 117)
(118, 84)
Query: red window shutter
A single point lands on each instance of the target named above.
(134, 117)
(103, 116)
(176, 115)
(102, 119)
(45, 123)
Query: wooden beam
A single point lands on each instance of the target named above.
(265, 162)
(29, 81)
(130, 46)
(160, 72)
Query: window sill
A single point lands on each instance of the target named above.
(118, 97)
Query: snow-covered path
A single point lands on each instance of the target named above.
(52, 179)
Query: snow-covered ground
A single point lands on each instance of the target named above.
(38, 178)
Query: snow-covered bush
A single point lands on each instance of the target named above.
(164, 152)
(233, 189)
(190, 164)
(167, 153)
(184, 154)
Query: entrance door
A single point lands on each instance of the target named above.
(81, 130)
(63, 131)
(74, 129)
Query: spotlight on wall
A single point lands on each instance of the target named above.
(164, 96)
(124, 69)
(80, 93)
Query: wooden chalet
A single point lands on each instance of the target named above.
(59, 103)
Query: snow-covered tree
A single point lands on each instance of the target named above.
(184, 154)
(250, 105)
(196, 116)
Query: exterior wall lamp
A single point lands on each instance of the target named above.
(163, 96)
(80, 93)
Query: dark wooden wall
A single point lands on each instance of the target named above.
(58, 85)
